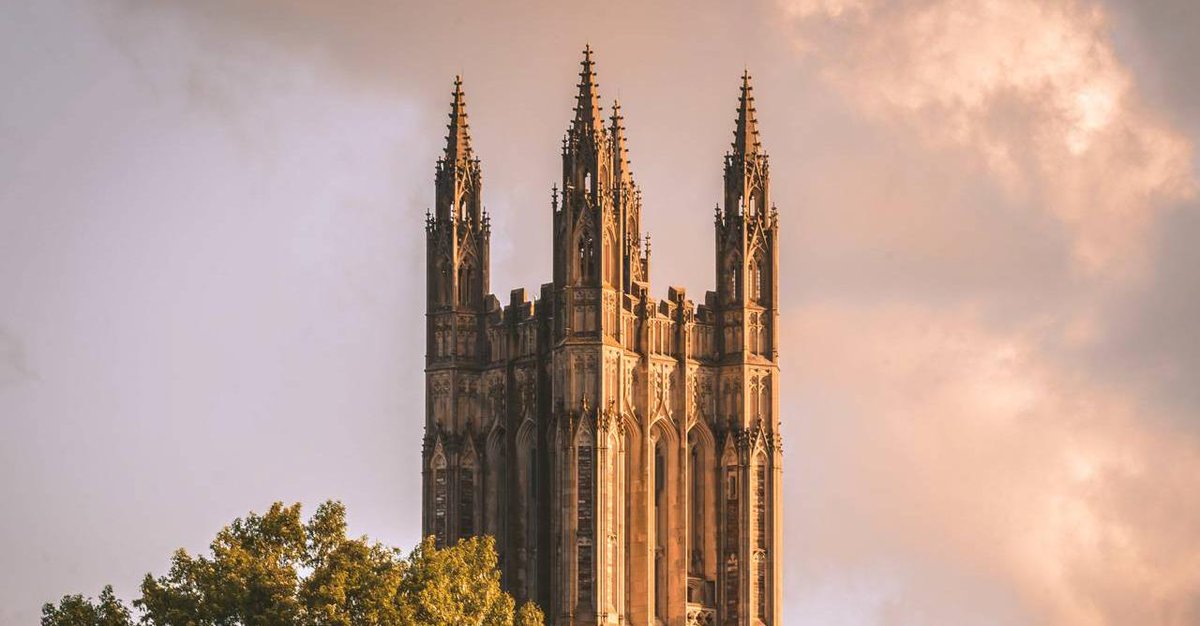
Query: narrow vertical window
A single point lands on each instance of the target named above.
(696, 510)
(464, 285)
(440, 500)
(585, 522)
(760, 535)
(466, 502)
(610, 511)
(755, 280)
(660, 535)
(732, 535)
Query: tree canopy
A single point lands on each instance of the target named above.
(275, 569)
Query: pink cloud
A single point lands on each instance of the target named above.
(966, 450)
(1032, 92)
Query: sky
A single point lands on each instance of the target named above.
(211, 274)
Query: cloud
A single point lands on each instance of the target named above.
(1031, 92)
(954, 459)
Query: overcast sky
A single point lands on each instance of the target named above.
(211, 274)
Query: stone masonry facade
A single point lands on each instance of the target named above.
(624, 451)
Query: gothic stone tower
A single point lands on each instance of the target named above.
(624, 451)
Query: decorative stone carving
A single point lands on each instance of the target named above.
(542, 415)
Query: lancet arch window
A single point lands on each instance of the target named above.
(441, 499)
(466, 497)
(660, 531)
(733, 277)
(612, 269)
(586, 255)
(445, 285)
(466, 274)
(756, 279)
(730, 505)
(760, 535)
(699, 519)
(585, 518)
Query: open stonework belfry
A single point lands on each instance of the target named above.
(624, 451)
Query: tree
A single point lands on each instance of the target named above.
(79, 611)
(275, 569)
(529, 615)
(458, 585)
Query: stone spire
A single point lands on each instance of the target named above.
(616, 131)
(458, 141)
(587, 102)
(745, 134)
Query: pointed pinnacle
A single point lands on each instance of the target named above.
(458, 140)
(587, 102)
(620, 151)
(745, 133)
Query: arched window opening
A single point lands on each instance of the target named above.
(733, 277)
(732, 533)
(466, 498)
(613, 269)
(493, 471)
(760, 535)
(756, 279)
(465, 274)
(585, 522)
(440, 500)
(696, 508)
(529, 478)
(754, 397)
(587, 255)
(445, 288)
(765, 403)
(660, 534)
(612, 512)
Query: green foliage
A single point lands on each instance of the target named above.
(275, 569)
(79, 611)
(529, 615)
(458, 585)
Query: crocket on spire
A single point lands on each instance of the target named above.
(616, 130)
(458, 140)
(745, 134)
(587, 102)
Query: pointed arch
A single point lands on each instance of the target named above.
(441, 497)
(664, 443)
(701, 508)
(468, 467)
(730, 502)
(585, 518)
(759, 519)
(756, 287)
(733, 276)
(445, 286)
(612, 259)
(494, 457)
(466, 282)
(527, 493)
